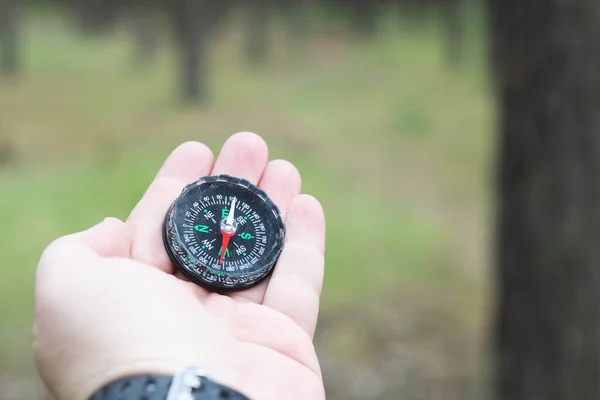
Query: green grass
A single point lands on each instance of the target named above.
(394, 145)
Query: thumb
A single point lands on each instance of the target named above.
(109, 238)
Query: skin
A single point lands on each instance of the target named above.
(108, 302)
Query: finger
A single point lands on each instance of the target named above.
(187, 163)
(253, 324)
(110, 238)
(296, 283)
(244, 155)
(282, 182)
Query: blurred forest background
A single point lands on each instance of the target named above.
(383, 105)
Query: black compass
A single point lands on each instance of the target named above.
(224, 233)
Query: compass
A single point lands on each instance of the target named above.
(224, 233)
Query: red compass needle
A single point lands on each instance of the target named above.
(225, 243)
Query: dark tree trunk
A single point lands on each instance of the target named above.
(9, 45)
(96, 16)
(146, 29)
(257, 30)
(453, 31)
(194, 22)
(547, 55)
(297, 18)
(192, 49)
(413, 14)
(365, 17)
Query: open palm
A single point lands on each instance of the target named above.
(109, 302)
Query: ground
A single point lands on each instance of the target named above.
(397, 147)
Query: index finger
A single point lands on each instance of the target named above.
(187, 163)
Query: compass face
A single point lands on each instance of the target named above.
(224, 233)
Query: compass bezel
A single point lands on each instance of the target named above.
(204, 275)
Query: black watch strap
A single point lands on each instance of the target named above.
(156, 387)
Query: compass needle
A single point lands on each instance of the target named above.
(226, 239)
(230, 217)
(214, 212)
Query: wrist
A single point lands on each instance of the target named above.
(189, 383)
(122, 371)
(222, 374)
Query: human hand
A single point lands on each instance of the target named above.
(108, 302)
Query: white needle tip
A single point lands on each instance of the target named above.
(230, 216)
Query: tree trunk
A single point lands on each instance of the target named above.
(9, 45)
(257, 31)
(96, 16)
(146, 29)
(547, 327)
(453, 31)
(192, 52)
(412, 13)
(365, 17)
(194, 22)
(297, 13)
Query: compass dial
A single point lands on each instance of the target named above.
(224, 233)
